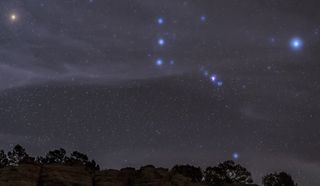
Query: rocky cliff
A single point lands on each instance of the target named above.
(60, 175)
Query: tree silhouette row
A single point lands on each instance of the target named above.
(18, 155)
(227, 172)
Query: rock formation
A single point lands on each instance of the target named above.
(63, 175)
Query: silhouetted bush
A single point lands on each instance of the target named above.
(227, 173)
(56, 156)
(3, 159)
(188, 171)
(92, 165)
(19, 155)
(278, 179)
(80, 157)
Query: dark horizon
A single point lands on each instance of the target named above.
(18, 160)
(142, 82)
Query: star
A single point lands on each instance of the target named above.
(296, 43)
(203, 18)
(159, 62)
(213, 78)
(13, 17)
(161, 42)
(235, 156)
(171, 62)
(160, 21)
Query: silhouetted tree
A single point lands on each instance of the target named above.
(227, 173)
(80, 157)
(40, 160)
(55, 156)
(92, 165)
(278, 179)
(189, 171)
(18, 155)
(3, 159)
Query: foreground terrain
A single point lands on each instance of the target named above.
(62, 175)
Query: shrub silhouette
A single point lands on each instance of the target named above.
(78, 157)
(56, 156)
(92, 165)
(19, 155)
(227, 173)
(278, 179)
(188, 171)
(3, 159)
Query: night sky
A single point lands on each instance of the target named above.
(137, 82)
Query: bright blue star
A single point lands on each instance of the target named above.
(235, 156)
(159, 62)
(160, 21)
(161, 42)
(213, 78)
(296, 43)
